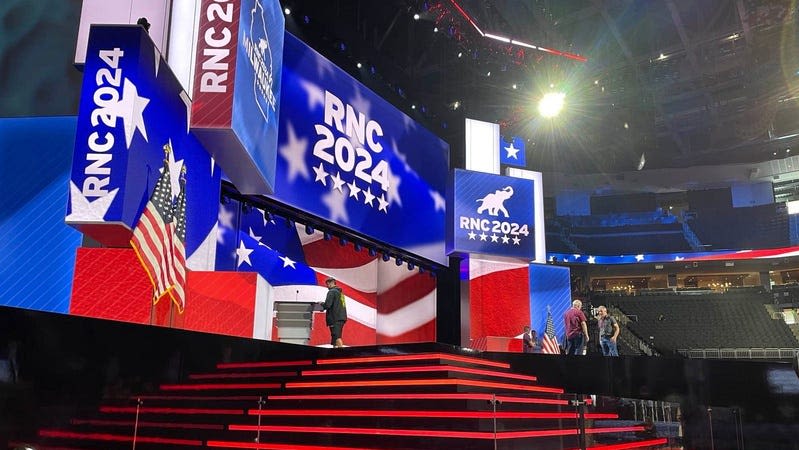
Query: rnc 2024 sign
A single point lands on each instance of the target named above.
(491, 214)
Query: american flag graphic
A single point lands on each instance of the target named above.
(178, 294)
(154, 235)
(386, 303)
(549, 342)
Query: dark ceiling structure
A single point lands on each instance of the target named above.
(682, 82)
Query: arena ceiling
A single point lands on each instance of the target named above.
(682, 82)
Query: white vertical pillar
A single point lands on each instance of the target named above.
(183, 31)
(538, 200)
(482, 146)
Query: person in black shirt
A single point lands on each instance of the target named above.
(608, 332)
(336, 308)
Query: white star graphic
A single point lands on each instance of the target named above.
(483, 236)
(187, 102)
(157, 55)
(336, 203)
(225, 217)
(516, 240)
(174, 171)
(408, 122)
(472, 235)
(494, 238)
(287, 262)
(353, 189)
(591, 260)
(360, 103)
(382, 204)
(321, 174)
(243, 254)
(439, 202)
(84, 210)
(316, 96)
(639, 258)
(505, 239)
(294, 154)
(393, 188)
(324, 66)
(267, 218)
(338, 183)
(254, 236)
(130, 108)
(402, 157)
(512, 151)
(368, 198)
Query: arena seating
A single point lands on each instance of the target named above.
(764, 226)
(705, 319)
(650, 238)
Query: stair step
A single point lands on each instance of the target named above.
(414, 357)
(421, 382)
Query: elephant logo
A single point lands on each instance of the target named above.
(494, 202)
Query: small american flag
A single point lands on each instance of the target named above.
(549, 343)
(153, 236)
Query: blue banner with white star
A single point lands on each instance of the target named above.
(131, 106)
(348, 156)
(512, 153)
(491, 214)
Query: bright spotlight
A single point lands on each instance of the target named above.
(551, 104)
(287, 11)
(416, 17)
(359, 65)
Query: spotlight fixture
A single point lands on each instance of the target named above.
(359, 65)
(410, 265)
(289, 223)
(358, 247)
(386, 257)
(342, 241)
(413, 106)
(416, 16)
(488, 74)
(372, 252)
(435, 30)
(421, 269)
(514, 86)
(398, 261)
(327, 236)
(309, 229)
(460, 54)
(287, 10)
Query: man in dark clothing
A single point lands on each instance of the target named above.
(608, 332)
(336, 308)
(528, 340)
(576, 329)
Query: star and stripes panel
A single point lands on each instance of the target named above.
(386, 303)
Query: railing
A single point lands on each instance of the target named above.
(628, 335)
(739, 353)
(692, 238)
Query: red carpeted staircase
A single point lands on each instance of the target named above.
(402, 401)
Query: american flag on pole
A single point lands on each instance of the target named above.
(178, 294)
(549, 342)
(153, 236)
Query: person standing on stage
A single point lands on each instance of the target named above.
(528, 340)
(336, 308)
(576, 329)
(608, 332)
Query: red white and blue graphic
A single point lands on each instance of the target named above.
(644, 258)
(131, 106)
(237, 88)
(491, 214)
(512, 153)
(350, 157)
(386, 303)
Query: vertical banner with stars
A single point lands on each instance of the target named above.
(512, 153)
(131, 106)
(350, 157)
(491, 215)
